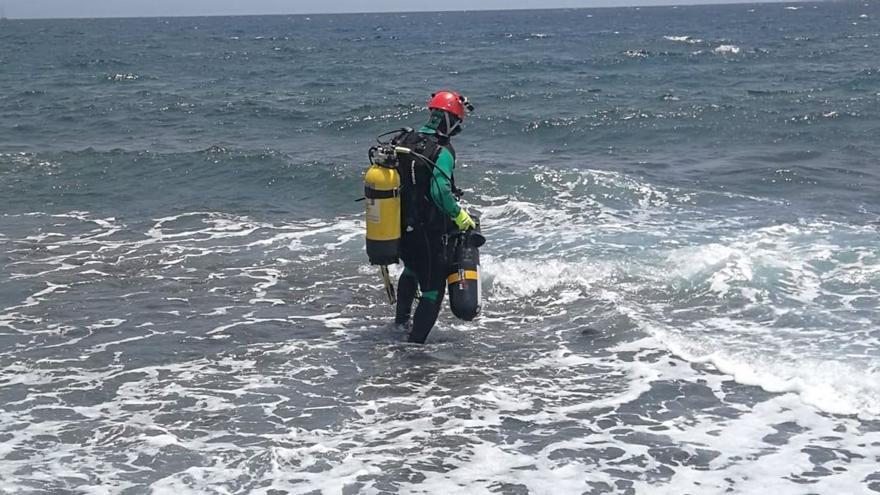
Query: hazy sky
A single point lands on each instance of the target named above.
(133, 8)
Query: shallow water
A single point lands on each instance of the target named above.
(681, 277)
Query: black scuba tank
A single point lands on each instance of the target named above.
(465, 290)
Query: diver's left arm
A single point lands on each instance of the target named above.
(441, 191)
(441, 186)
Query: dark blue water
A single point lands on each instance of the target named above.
(681, 279)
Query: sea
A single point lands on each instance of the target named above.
(681, 278)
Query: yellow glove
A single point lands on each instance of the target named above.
(464, 221)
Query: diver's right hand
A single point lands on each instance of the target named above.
(464, 221)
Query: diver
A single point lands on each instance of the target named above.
(429, 210)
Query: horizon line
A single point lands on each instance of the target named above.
(516, 9)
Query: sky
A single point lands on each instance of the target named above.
(162, 8)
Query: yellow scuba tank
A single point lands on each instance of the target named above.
(382, 195)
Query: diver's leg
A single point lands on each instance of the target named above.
(426, 315)
(406, 294)
(429, 306)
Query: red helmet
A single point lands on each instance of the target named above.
(451, 102)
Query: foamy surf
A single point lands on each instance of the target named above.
(727, 49)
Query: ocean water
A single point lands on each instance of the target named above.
(681, 280)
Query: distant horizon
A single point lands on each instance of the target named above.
(10, 14)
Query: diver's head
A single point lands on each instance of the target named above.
(448, 110)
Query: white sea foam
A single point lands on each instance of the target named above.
(684, 39)
(834, 387)
(727, 49)
(770, 354)
(771, 270)
(123, 77)
(522, 278)
(525, 394)
(743, 466)
(108, 323)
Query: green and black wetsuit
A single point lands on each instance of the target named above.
(429, 205)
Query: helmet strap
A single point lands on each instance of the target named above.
(444, 124)
(452, 128)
